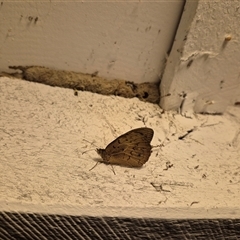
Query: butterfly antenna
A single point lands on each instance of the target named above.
(88, 151)
(94, 166)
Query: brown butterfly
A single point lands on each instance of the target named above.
(131, 149)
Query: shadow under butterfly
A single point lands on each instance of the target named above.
(131, 149)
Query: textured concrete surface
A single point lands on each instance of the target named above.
(192, 172)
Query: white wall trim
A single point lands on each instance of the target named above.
(202, 71)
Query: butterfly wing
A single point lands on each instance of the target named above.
(132, 156)
(131, 149)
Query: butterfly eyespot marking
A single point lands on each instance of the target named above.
(131, 149)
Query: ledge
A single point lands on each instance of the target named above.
(193, 171)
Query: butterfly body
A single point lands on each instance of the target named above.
(131, 149)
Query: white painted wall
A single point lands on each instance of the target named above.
(125, 40)
(129, 40)
(208, 36)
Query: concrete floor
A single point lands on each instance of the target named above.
(193, 171)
